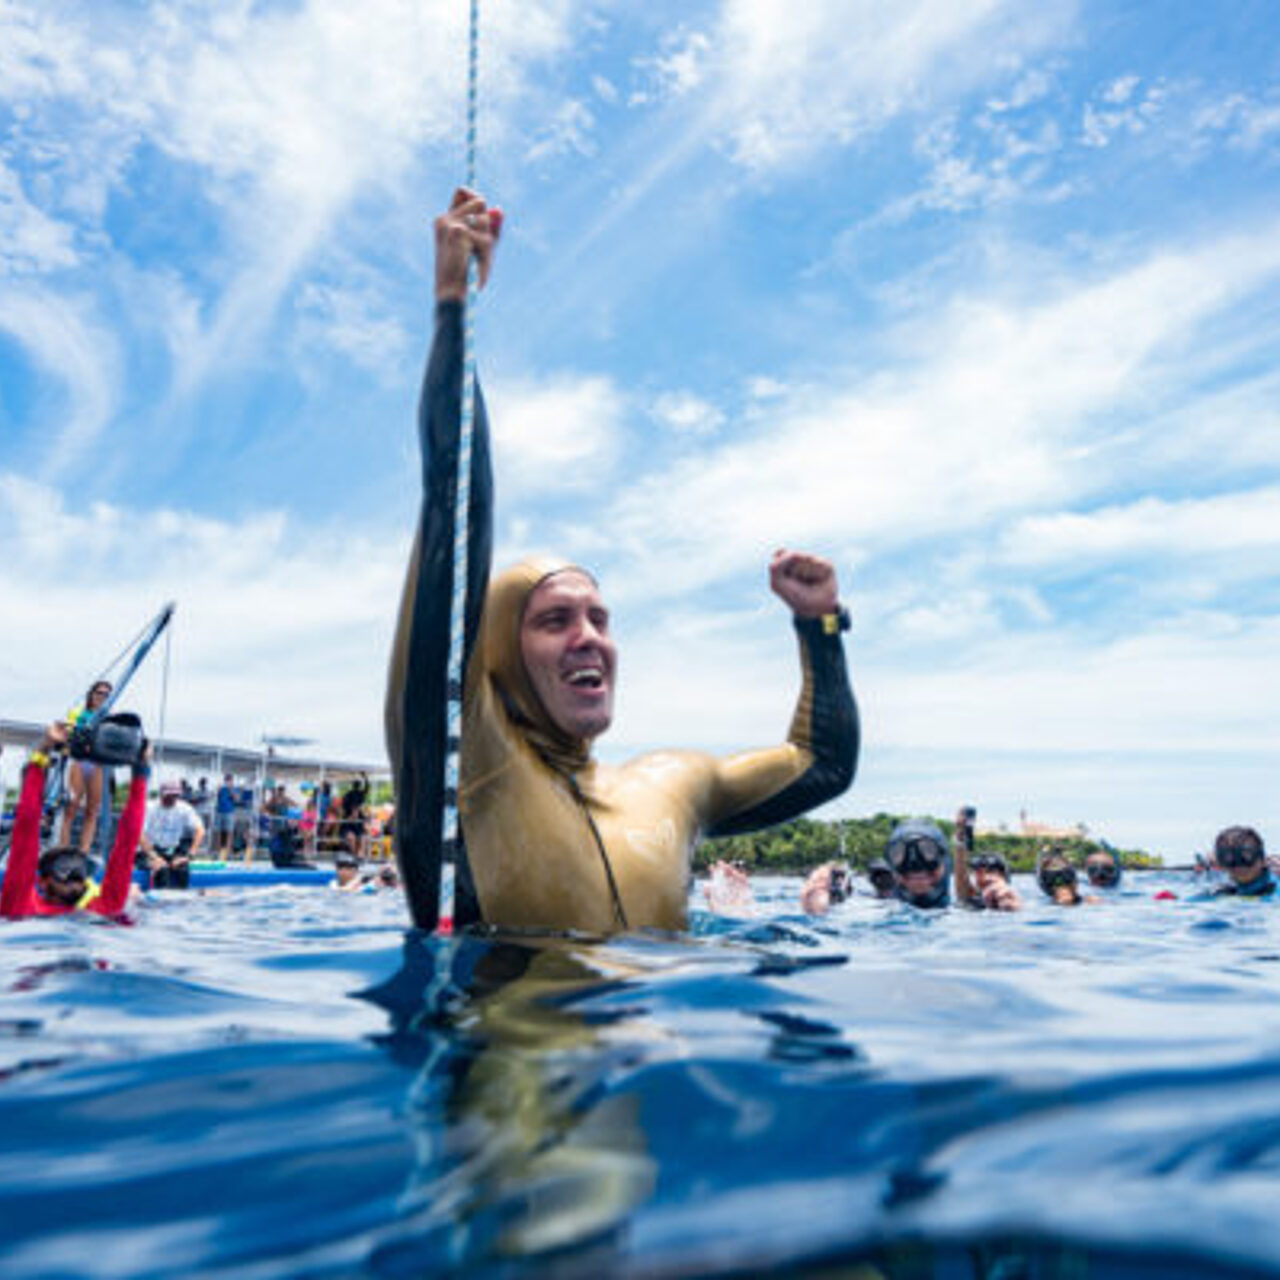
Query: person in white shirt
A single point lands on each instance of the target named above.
(171, 837)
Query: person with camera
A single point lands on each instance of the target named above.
(917, 859)
(171, 837)
(981, 879)
(85, 779)
(58, 881)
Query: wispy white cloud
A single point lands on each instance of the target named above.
(77, 354)
(799, 79)
(30, 240)
(1014, 405)
(560, 435)
(687, 414)
(1121, 108)
(1227, 524)
(1246, 122)
(357, 322)
(570, 130)
(604, 88)
(261, 639)
(679, 67)
(282, 117)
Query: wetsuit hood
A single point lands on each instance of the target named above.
(500, 657)
(923, 829)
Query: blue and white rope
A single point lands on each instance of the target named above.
(462, 508)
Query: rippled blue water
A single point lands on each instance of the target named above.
(282, 1082)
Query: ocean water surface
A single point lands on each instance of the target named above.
(285, 1082)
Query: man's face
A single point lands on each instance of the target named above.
(569, 654)
(345, 873)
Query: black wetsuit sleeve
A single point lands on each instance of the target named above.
(416, 708)
(826, 724)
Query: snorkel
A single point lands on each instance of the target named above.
(919, 846)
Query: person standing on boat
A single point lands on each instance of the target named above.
(224, 816)
(552, 838)
(57, 881)
(86, 780)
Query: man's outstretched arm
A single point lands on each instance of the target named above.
(416, 725)
(759, 789)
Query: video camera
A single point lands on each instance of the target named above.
(839, 886)
(115, 739)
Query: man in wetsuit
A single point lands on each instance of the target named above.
(1240, 853)
(552, 838)
(57, 882)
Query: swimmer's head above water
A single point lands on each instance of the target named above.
(1058, 878)
(1103, 868)
(1239, 851)
(569, 654)
(546, 643)
(62, 875)
(920, 857)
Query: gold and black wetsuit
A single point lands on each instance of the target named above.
(553, 839)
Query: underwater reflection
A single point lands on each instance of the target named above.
(520, 1148)
(539, 1082)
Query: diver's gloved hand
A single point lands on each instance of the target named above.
(806, 583)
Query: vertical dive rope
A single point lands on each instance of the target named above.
(451, 826)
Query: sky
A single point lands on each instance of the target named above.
(980, 299)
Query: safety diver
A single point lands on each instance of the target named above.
(58, 882)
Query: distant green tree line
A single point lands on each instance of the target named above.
(797, 847)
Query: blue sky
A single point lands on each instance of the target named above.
(977, 297)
